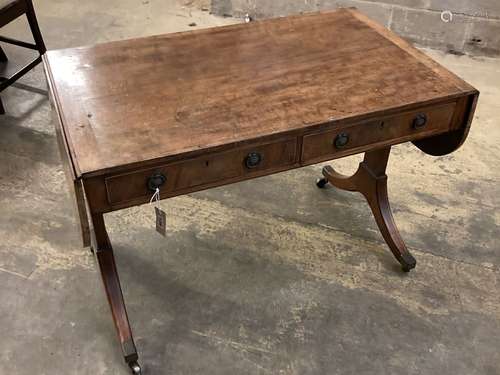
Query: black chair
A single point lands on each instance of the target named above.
(9, 11)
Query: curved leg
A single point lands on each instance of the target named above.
(371, 181)
(339, 180)
(104, 253)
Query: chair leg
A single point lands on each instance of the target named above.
(35, 29)
(40, 46)
(3, 56)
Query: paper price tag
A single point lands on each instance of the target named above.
(161, 216)
(161, 221)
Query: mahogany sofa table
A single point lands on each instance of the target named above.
(189, 111)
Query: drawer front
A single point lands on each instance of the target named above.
(385, 130)
(203, 170)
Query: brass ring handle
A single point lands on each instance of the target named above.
(253, 159)
(341, 140)
(155, 181)
(419, 121)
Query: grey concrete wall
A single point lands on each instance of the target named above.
(474, 27)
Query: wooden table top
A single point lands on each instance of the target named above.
(176, 95)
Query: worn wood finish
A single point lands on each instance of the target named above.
(104, 253)
(210, 107)
(448, 142)
(76, 185)
(146, 99)
(371, 181)
(384, 130)
(201, 171)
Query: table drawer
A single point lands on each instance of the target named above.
(203, 170)
(384, 130)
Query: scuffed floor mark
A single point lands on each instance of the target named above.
(295, 323)
(217, 340)
(183, 213)
(332, 256)
(247, 352)
(14, 273)
(51, 258)
(48, 257)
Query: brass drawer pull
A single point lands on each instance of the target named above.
(253, 159)
(341, 140)
(419, 121)
(155, 181)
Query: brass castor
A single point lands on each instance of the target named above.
(136, 369)
(321, 182)
(408, 262)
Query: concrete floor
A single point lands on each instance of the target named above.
(270, 276)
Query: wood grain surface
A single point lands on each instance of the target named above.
(129, 102)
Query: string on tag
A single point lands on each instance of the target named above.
(156, 197)
(161, 216)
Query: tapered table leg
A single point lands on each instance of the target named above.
(104, 253)
(371, 181)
